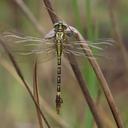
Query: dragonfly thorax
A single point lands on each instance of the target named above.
(59, 36)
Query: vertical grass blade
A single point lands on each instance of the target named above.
(77, 15)
(116, 31)
(89, 74)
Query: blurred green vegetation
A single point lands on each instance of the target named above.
(93, 21)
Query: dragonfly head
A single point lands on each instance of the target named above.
(60, 26)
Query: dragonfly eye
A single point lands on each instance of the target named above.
(60, 26)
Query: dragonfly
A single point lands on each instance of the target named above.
(56, 43)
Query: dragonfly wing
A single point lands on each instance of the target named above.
(78, 48)
(27, 46)
(45, 53)
(24, 40)
(41, 57)
(50, 34)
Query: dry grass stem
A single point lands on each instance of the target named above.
(83, 86)
(36, 93)
(53, 16)
(103, 82)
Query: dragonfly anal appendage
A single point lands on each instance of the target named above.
(59, 101)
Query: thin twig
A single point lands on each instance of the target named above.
(77, 72)
(50, 10)
(29, 15)
(18, 71)
(98, 97)
(36, 93)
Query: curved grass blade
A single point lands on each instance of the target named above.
(36, 93)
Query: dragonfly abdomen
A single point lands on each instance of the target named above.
(59, 100)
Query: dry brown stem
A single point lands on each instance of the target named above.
(103, 83)
(36, 93)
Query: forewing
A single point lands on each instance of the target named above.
(28, 46)
(78, 48)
